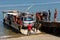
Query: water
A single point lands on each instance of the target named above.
(16, 5)
(8, 32)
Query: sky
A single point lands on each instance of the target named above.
(30, 5)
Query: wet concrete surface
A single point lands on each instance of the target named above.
(36, 37)
(7, 31)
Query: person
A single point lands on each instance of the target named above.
(9, 19)
(19, 24)
(29, 29)
(55, 15)
(41, 16)
(15, 19)
(49, 14)
(37, 25)
(45, 15)
(39, 19)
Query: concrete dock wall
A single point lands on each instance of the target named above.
(51, 27)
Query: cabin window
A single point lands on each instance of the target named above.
(28, 19)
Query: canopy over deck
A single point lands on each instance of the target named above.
(10, 11)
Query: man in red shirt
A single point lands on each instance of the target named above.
(29, 29)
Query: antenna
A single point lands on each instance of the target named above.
(29, 7)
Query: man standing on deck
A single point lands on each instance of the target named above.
(20, 24)
(55, 15)
(49, 14)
